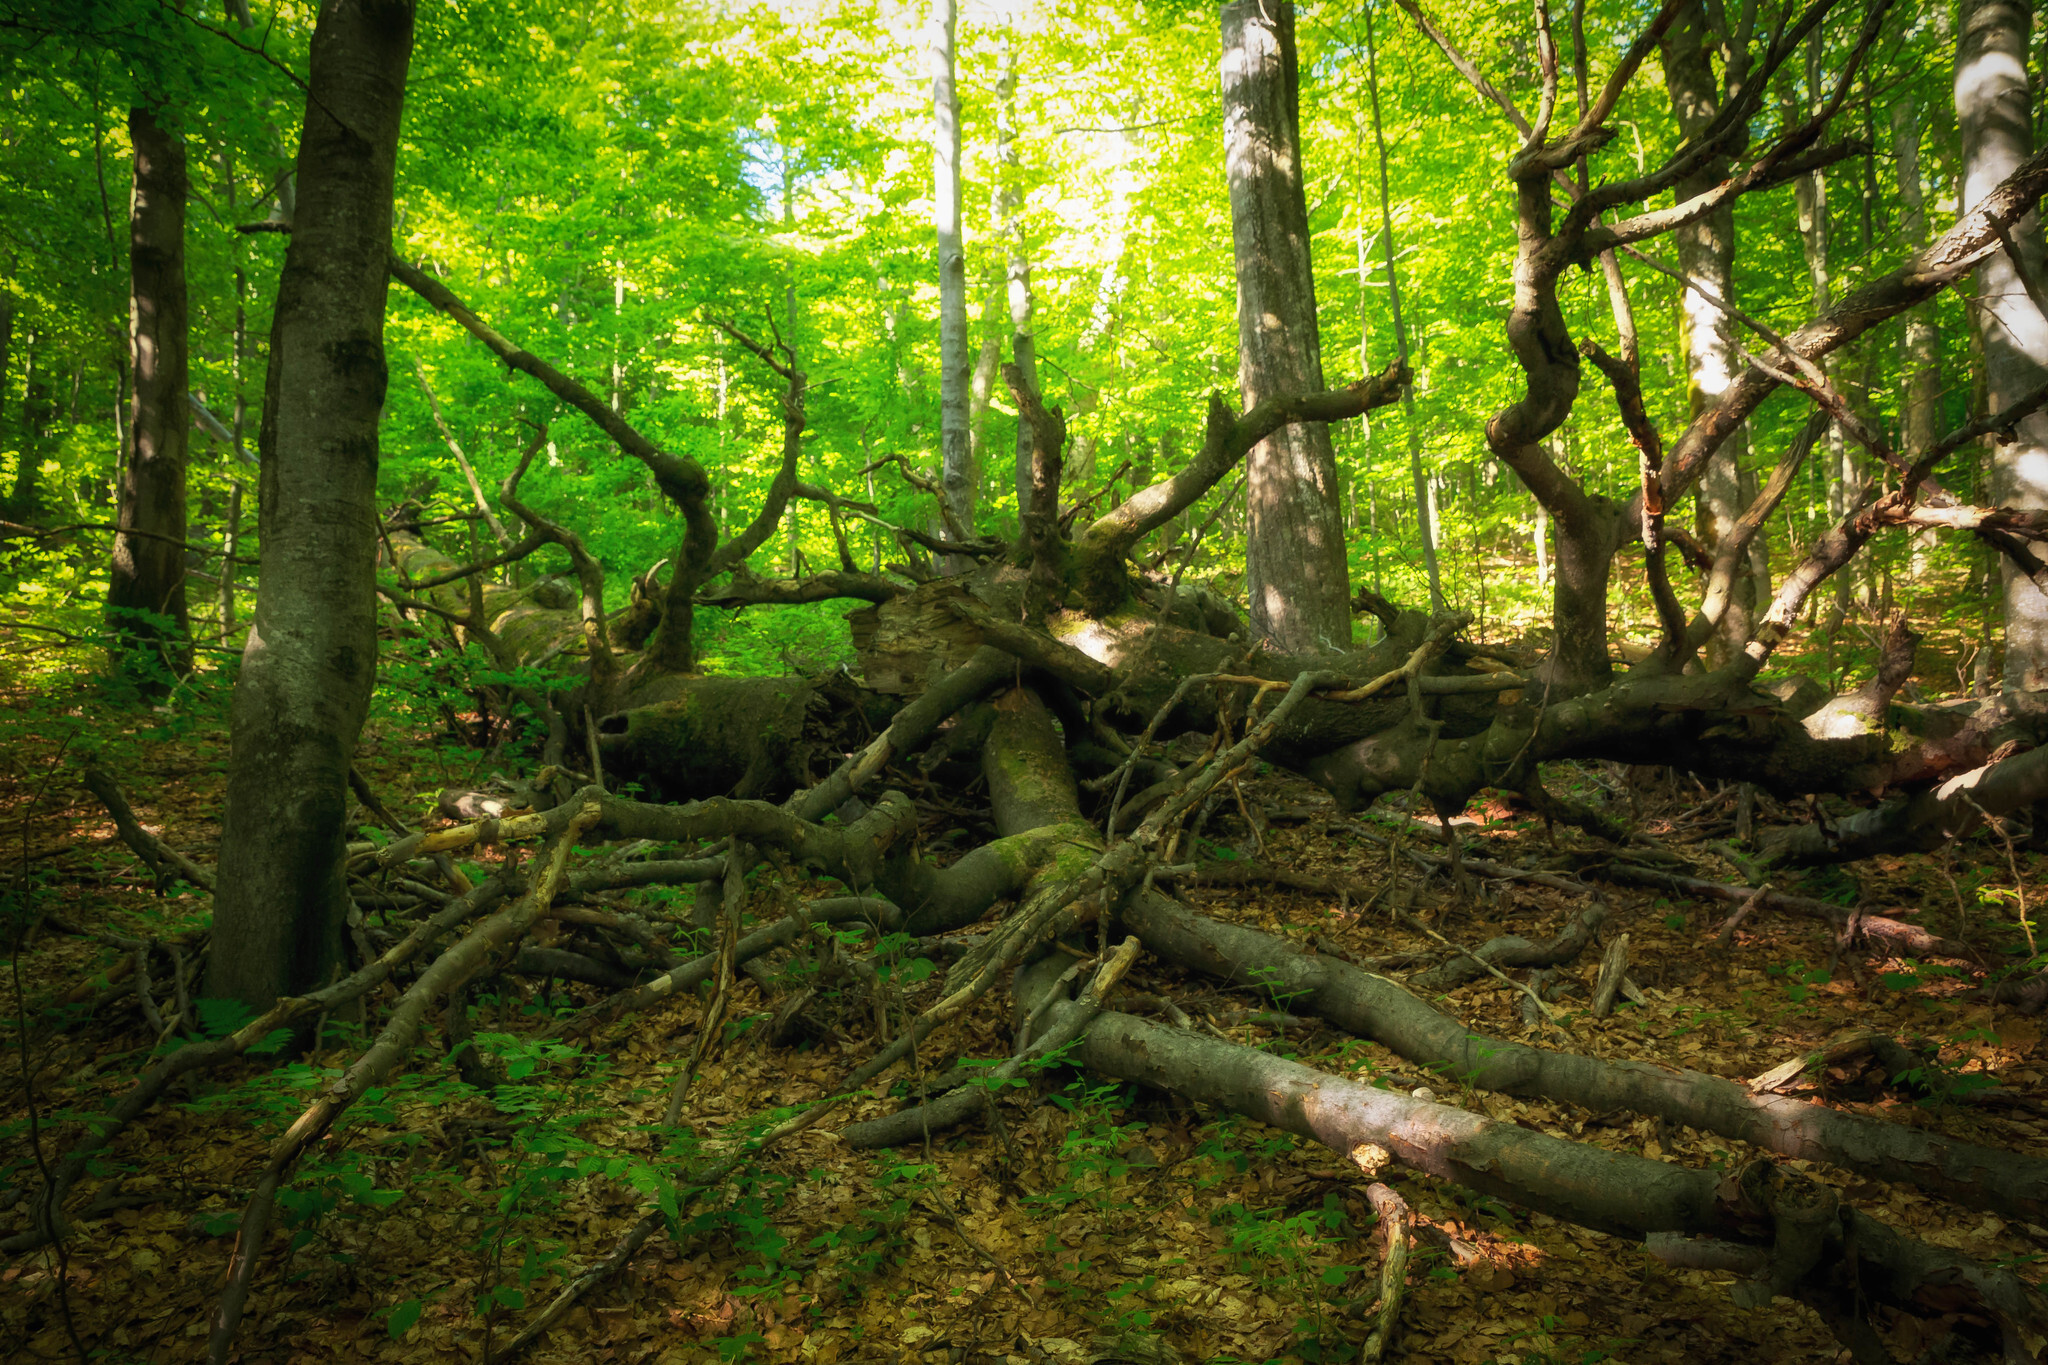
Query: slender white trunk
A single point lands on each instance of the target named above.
(1425, 501)
(956, 459)
(1706, 254)
(1017, 268)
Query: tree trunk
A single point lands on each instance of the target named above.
(24, 502)
(1810, 198)
(1920, 412)
(1425, 522)
(1009, 225)
(1706, 254)
(956, 455)
(1993, 107)
(7, 353)
(311, 656)
(148, 572)
(980, 390)
(1294, 559)
(230, 542)
(1920, 351)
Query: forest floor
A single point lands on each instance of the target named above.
(1100, 1224)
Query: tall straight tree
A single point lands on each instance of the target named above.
(1920, 351)
(1425, 524)
(1706, 254)
(1294, 558)
(1017, 269)
(956, 456)
(312, 650)
(146, 587)
(1810, 201)
(1994, 111)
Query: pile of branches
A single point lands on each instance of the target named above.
(1056, 671)
(1089, 827)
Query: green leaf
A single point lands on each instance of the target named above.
(401, 1319)
(219, 1018)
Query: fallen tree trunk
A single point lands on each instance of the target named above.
(1373, 1007)
(1839, 1261)
(1920, 822)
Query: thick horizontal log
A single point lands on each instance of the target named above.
(1920, 822)
(746, 590)
(1374, 1007)
(1837, 1259)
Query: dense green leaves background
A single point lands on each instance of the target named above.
(595, 181)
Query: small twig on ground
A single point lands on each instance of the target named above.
(49, 1221)
(1726, 938)
(461, 961)
(636, 1236)
(1416, 924)
(145, 993)
(1394, 1229)
(738, 855)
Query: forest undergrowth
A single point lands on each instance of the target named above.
(1090, 1222)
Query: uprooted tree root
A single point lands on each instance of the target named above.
(1064, 886)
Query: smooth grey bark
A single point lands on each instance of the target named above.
(956, 455)
(1017, 267)
(1294, 556)
(1919, 348)
(981, 388)
(1706, 254)
(1841, 1262)
(311, 655)
(1425, 518)
(1994, 108)
(1401, 1017)
(148, 570)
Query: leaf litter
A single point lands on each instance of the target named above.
(1098, 1224)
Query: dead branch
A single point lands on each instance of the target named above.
(165, 862)
(476, 488)
(1614, 1191)
(451, 970)
(285, 1014)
